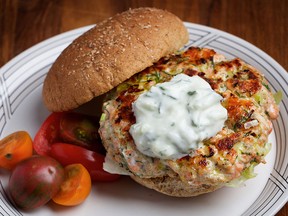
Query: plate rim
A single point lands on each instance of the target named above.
(80, 30)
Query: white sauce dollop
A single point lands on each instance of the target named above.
(173, 118)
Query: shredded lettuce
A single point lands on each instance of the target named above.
(103, 117)
(248, 173)
(263, 151)
(258, 98)
(278, 97)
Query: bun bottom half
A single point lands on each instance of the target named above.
(173, 186)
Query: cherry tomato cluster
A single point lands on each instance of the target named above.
(69, 157)
(73, 138)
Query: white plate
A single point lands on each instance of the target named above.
(21, 108)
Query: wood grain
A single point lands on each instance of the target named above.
(27, 22)
(264, 23)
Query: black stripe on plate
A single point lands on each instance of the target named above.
(271, 203)
(2, 121)
(27, 90)
(38, 47)
(278, 182)
(280, 127)
(27, 82)
(18, 68)
(194, 32)
(196, 28)
(2, 108)
(8, 209)
(268, 194)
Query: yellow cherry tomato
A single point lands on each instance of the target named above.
(76, 186)
(14, 148)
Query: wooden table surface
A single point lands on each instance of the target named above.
(264, 23)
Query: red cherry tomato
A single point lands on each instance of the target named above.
(47, 134)
(81, 130)
(68, 154)
(72, 128)
(35, 180)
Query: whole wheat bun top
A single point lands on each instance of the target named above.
(109, 53)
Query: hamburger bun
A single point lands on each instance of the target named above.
(173, 186)
(109, 53)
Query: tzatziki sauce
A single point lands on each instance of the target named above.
(173, 118)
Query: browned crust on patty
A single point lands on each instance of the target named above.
(110, 53)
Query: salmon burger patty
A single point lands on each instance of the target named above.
(227, 158)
